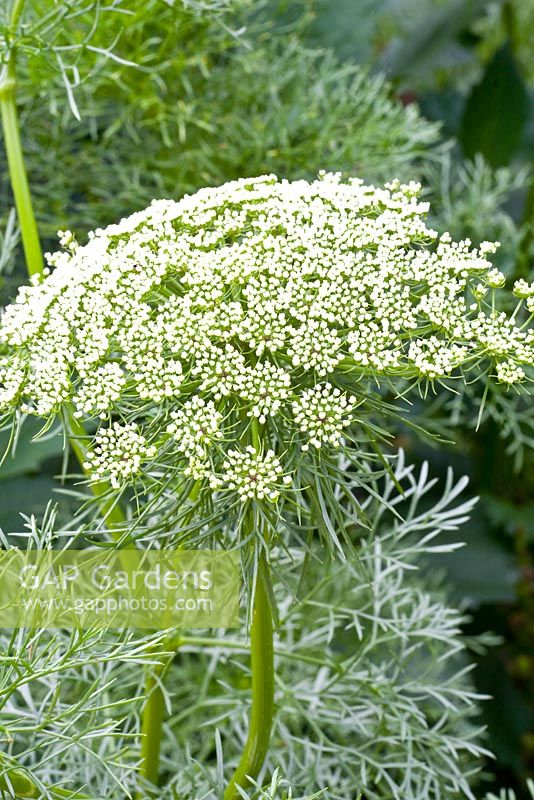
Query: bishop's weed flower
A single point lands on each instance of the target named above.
(252, 474)
(117, 453)
(275, 301)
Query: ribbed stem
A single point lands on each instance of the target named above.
(152, 730)
(262, 669)
(17, 171)
(16, 12)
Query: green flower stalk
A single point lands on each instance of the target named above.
(15, 159)
(262, 707)
(238, 342)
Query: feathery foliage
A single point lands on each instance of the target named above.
(170, 99)
(373, 690)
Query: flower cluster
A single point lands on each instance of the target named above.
(321, 413)
(99, 390)
(434, 357)
(13, 377)
(274, 300)
(156, 374)
(195, 427)
(508, 372)
(523, 289)
(374, 344)
(118, 453)
(253, 475)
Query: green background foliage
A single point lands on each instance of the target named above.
(124, 102)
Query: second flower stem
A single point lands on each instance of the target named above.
(262, 669)
(17, 171)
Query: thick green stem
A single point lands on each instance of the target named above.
(262, 669)
(152, 728)
(17, 172)
(16, 13)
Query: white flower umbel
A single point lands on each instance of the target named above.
(315, 345)
(118, 453)
(99, 390)
(495, 279)
(434, 357)
(524, 289)
(265, 388)
(157, 374)
(500, 337)
(254, 475)
(508, 372)
(253, 296)
(322, 413)
(13, 377)
(373, 344)
(195, 427)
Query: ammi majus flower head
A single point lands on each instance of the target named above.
(261, 305)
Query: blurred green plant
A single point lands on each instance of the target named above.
(511, 21)
(156, 99)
